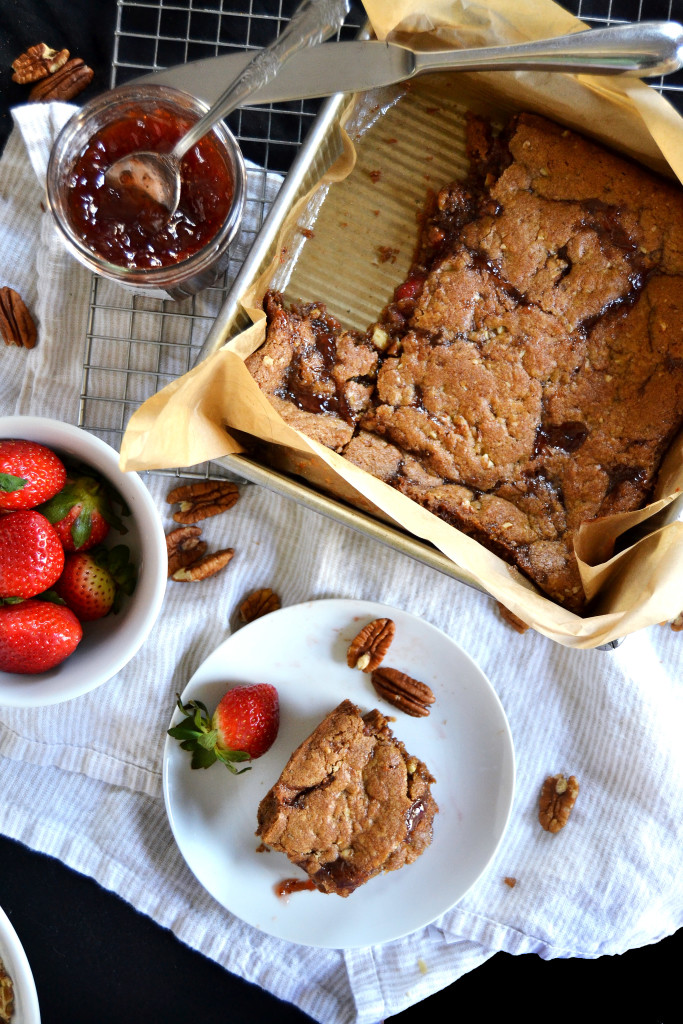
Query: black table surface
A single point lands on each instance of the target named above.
(95, 959)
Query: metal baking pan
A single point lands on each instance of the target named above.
(312, 278)
(267, 465)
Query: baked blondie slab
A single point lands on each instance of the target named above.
(528, 375)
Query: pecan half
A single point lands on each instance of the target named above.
(38, 62)
(261, 602)
(66, 83)
(368, 648)
(207, 566)
(512, 619)
(16, 323)
(558, 796)
(202, 499)
(184, 547)
(404, 692)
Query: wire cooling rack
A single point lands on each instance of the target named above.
(134, 344)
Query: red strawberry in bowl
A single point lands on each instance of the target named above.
(31, 554)
(243, 726)
(36, 635)
(30, 474)
(92, 582)
(81, 513)
(86, 588)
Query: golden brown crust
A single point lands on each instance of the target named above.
(528, 376)
(350, 802)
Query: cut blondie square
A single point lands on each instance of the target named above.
(350, 802)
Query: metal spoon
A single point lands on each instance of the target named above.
(157, 175)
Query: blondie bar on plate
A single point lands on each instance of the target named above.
(350, 802)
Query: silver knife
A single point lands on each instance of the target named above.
(641, 50)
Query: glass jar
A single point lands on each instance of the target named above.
(115, 119)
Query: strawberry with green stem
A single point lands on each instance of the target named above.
(243, 726)
(82, 513)
(30, 473)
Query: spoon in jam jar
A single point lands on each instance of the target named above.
(148, 175)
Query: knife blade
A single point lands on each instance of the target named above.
(641, 49)
(311, 73)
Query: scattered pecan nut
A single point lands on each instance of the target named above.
(368, 648)
(558, 796)
(677, 624)
(404, 692)
(512, 619)
(261, 602)
(207, 566)
(510, 881)
(202, 499)
(64, 84)
(184, 548)
(38, 62)
(16, 323)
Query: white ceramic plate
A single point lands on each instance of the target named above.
(26, 1010)
(465, 742)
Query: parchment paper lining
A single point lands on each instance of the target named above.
(397, 144)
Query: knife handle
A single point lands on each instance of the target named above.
(641, 50)
(312, 23)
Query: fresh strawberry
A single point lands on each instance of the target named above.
(80, 532)
(92, 581)
(243, 726)
(81, 513)
(36, 636)
(86, 587)
(30, 473)
(31, 554)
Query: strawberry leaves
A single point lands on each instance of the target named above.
(117, 562)
(84, 510)
(10, 483)
(199, 736)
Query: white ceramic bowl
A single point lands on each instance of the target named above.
(109, 643)
(26, 1009)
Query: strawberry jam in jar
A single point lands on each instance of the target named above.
(131, 239)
